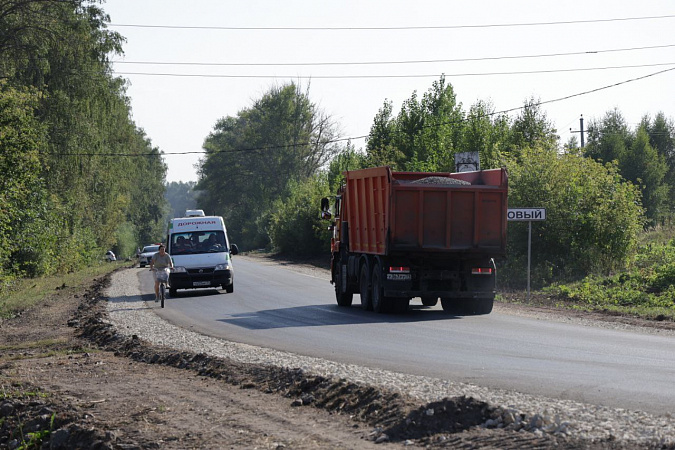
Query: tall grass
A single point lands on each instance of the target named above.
(646, 288)
(25, 293)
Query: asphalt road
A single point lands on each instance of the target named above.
(278, 308)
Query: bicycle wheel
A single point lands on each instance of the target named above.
(162, 293)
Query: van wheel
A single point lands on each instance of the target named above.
(229, 289)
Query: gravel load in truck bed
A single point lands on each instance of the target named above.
(439, 181)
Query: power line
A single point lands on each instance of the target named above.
(467, 74)
(431, 27)
(266, 148)
(424, 61)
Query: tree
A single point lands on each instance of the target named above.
(22, 195)
(661, 133)
(381, 140)
(532, 128)
(94, 180)
(282, 138)
(593, 216)
(423, 136)
(609, 139)
(638, 162)
(646, 168)
(348, 159)
(487, 133)
(294, 225)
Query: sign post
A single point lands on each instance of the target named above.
(527, 215)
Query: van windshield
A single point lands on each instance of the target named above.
(195, 242)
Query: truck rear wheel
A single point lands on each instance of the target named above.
(400, 305)
(364, 285)
(482, 306)
(381, 304)
(429, 301)
(344, 298)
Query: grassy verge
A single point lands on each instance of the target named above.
(26, 293)
(646, 289)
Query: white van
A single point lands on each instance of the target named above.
(201, 252)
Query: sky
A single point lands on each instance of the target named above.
(188, 66)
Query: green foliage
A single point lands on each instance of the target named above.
(638, 162)
(349, 159)
(65, 195)
(294, 225)
(488, 134)
(22, 195)
(661, 133)
(126, 244)
(646, 288)
(593, 217)
(252, 158)
(532, 128)
(428, 132)
(423, 136)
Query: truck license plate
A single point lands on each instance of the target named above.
(399, 276)
(201, 283)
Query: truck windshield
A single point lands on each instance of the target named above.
(194, 242)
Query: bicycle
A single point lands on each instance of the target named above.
(163, 278)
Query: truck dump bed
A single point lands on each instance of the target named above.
(390, 212)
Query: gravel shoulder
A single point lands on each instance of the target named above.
(104, 382)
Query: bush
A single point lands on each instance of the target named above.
(648, 285)
(126, 240)
(592, 224)
(294, 225)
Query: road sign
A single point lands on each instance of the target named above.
(526, 214)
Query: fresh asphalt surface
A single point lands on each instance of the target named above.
(278, 308)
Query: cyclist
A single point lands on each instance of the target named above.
(160, 260)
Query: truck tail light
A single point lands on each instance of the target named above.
(399, 269)
(481, 271)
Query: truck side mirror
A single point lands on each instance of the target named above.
(325, 204)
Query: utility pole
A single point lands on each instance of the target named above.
(581, 130)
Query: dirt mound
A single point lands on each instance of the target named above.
(27, 415)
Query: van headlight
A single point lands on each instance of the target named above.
(225, 266)
(179, 269)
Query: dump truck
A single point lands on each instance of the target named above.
(404, 235)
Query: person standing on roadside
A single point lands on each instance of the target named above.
(160, 260)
